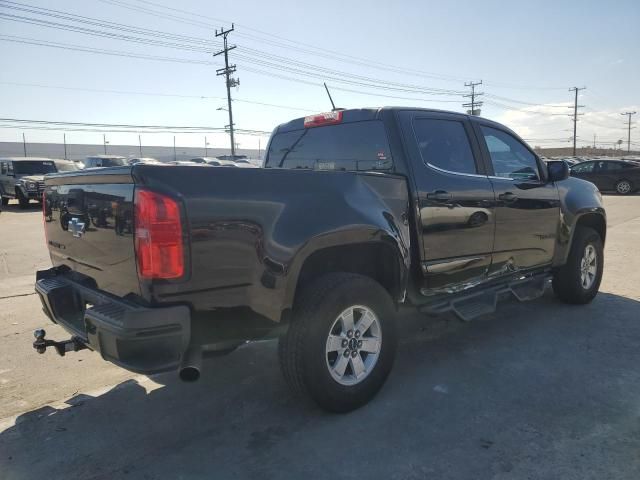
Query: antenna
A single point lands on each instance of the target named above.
(333, 105)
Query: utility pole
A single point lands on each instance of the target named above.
(231, 82)
(594, 141)
(174, 148)
(473, 95)
(140, 145)
(24, 144)
(64, 139)
(206, 151)
(628, 114)
(575, 115)
(104, 141)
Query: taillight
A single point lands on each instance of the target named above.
(328, 118)
(158, 238)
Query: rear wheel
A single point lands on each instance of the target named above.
(624, 187)
(579, 279)
(341, 343)
(5, 201)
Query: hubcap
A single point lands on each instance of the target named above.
(353, 345)
(588, 267)
(624, 187)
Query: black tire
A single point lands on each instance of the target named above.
(22, 200)
(567, 281)
(624, 187)
(302, 350)
(5, 201)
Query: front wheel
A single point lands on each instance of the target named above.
(579, 279)
(23, 201)
(341, 343)
(5, 201)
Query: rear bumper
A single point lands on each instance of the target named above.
(140, 339)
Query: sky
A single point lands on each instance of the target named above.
(370, 53)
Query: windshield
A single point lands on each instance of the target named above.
(33, 167)
(66, 166)
(113, 162)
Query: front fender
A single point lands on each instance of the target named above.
(578, 199)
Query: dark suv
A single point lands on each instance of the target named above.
(23, 178)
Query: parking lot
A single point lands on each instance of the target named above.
(541, 390)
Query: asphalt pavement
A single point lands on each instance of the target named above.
(538, 390)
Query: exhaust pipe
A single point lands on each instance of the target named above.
(191, 365)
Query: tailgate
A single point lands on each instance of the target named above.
(89, 226)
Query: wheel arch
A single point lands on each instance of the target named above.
(593, 218)
(595, 221)
(379, 260)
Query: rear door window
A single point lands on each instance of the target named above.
(347, 146)
(3, 168)
(444, 144)
(613, 166)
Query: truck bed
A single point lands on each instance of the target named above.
(246, 230)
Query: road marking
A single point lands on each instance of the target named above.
(18, 295)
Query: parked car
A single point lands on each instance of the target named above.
(66, 166)
(98, 161)
(147, 160)
(188, 163)
(23, 178)
(353, 215)
(623, 176)
(221, 162)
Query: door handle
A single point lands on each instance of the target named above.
(507, 197)
(439, 195)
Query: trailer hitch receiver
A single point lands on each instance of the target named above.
(71, 345)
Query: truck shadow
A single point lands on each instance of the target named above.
(463, 401)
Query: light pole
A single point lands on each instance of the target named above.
(104, 140)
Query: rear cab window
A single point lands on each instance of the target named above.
(355, 146)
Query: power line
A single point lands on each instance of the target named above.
(251, 55)
(150, 94)
(131, 126)
(294, 44)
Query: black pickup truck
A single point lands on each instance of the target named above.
(354, 214)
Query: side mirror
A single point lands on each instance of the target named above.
(558, 171)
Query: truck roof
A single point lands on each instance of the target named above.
(371, 113)
(27, 159)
